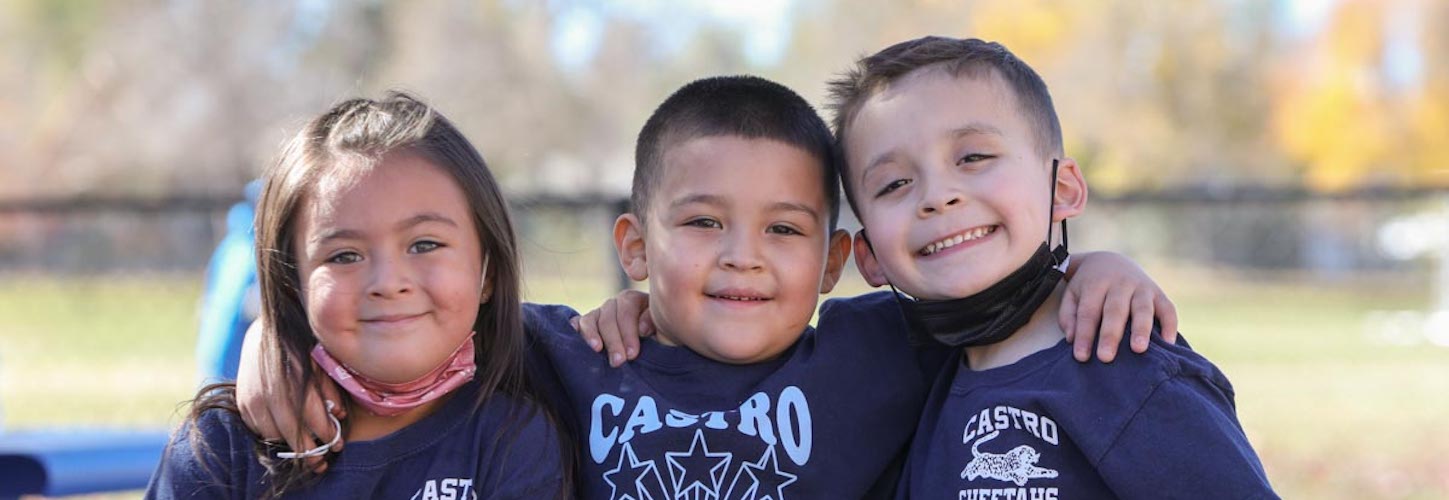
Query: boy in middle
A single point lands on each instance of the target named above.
(733, 223)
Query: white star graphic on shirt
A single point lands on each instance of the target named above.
(766, 480)
(689, 470)
(633, 474)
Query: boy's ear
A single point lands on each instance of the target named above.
(629, 242)
(1071, 191)
(866, 263)
(838, 253)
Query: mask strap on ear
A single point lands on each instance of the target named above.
(1051, 209)
(1052, 203)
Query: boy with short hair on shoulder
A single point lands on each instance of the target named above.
(955, 166)
(732, 222)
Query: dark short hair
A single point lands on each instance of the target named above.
(959, 56)
(743, 106)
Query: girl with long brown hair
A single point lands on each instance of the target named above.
(386, 256)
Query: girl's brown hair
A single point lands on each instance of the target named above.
(361, 132)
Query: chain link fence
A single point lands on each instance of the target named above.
(569, 237)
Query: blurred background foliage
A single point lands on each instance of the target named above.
(143, 97)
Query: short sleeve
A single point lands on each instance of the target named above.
(1184, 442)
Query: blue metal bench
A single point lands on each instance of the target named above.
(74, 461)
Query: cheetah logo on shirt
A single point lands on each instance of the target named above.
(1015, 466)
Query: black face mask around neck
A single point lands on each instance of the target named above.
(993, 314)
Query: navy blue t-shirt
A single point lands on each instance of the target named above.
(829, 418)
(454, 453)
(1157, 425)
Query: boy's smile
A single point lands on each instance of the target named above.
(734, 247)
(951, 184)
(958, 241)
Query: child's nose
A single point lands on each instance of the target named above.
(390, 277)
(741, 253)
(938, 201)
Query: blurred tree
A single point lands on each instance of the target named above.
(1333, 115)
(1428, 148)
(158, 96)
(1368, 103)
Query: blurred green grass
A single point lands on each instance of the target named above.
(1333, 412)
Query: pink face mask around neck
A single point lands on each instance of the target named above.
(385, 399)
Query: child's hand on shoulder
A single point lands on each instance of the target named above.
(1104, 291)
(265, 404)
(617, 326)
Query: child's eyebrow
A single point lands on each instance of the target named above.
(879, 160)
(973, 128)
(779, 206)
(353, 234)
(706, 199)
(785, 206)
(336, 234)
(976, 128)
(425, 217)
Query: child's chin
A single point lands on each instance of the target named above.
(947, 293)
(745, 351)
(962, 283)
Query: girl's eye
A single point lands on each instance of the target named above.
(973, 158)
(894, 185)
(704, 223)
(782, 229)
(424, 247)
(345, 258)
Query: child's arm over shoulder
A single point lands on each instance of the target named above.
(1106, 293)
(1185, 437)
(617, 325)
(877, 306)
(208, 457)
(550, 322)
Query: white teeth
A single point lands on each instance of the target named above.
(957, 240)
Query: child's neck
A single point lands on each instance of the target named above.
(363, 425)
(1039, 333)
(664, 338)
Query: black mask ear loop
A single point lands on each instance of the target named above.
(1051, 209)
